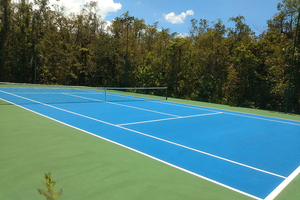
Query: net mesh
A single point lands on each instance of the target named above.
(53, 94)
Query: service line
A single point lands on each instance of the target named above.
(166, 119)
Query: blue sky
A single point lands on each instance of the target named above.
(177, 14)
(256, 12)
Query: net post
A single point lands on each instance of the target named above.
(166, 93)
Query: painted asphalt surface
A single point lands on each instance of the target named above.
(246, 153)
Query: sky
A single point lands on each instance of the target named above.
(177, 14)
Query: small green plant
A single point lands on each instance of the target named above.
(50, 195)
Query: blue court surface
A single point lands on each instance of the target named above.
(249, 154)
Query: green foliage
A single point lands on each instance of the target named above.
(214, 63)
(50, 194)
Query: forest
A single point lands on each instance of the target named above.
(234, 66)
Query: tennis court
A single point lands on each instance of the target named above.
(250, 154)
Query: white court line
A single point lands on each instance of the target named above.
(154, 158)
(270, 120)
(125, 96)
(184, 106)
(122, 105)
(233, 113)
(157, 120)
(54, 93)
(287, 181)
(176, 144)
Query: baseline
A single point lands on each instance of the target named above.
(280, 187)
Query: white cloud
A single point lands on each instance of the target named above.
(180, 35)
(74, 6)
(178, 19)
(106, 27)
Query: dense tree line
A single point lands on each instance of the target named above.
(39, 43)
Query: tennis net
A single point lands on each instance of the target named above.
(56, 94)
